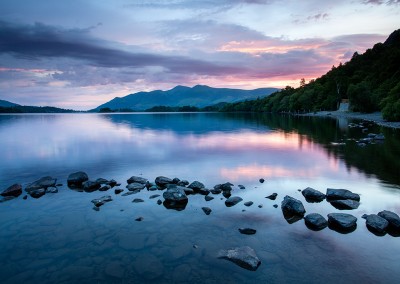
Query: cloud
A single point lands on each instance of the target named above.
(380, 2)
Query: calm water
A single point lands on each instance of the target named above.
(59, 238)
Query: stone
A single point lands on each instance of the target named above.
(154, 196)
(215, 190)
(134, 186)
(241, 186)
(312, 195)
(261, 180)
(245, 257)
(231, 201)
(13, 190)
(208, 198)
(43, 182)
(376, 224)
(226, 186)
(159, 202)
(342, 222)
(90, 186)
(75, 180)
(392, 218)
(196, 185)
(175, 198)
(187, 190)
(135, 179)
(183, 183)
(101, 201)
(275, 205)
(226, 193)
(247, 231)
(346, 204)
(203, 191)
(260, 206)
(206, 210)
(37, 193)
(139, 219)
(137, 200)
(175, 180)
(291, 206)
(105, 188)
(248, 203)
(25, 197)
(129, 193)
(162, 181)
(52, 190)
(112, 183)
(101, 181)
(118, 190)
(315, 222)
(272, 196)
(337, 194)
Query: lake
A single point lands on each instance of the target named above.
(59, 238)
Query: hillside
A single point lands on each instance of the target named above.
(197, 96)
(9, 107)
(4, 103)
(370, 81)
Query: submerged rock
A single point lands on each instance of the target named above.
(154, 196)
(206, 210)
(208, 198)
(247, 231)
(137, 200)
(346, 204)
(43, 182)
(291, 206)
(376, 224)
(342, 222)
(245, 257)
(312, 195)
(101, 201)
(136, 179)
(75, 180)
(139, 219)
(231, 201)
(118, 190)
(315, 222)
(392, 218)
(13, 190)
(337, 194)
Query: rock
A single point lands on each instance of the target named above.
(203, 191)
(112, 183)
(206, 210)
(392, 218)
(135, 179)
(135, 186)
(248, 203)
(175, 198)
(175, 180)
(245, 257)
(196, 185)
(101, 201)
(338, 194)
(159, 202)
(260, 206)
(101, 181)
(105, 188)
(163, 181)
(208, 198)
(90, 186)
(13, 190)
(43, 182)
(226, 186)
(118, 190)
(247, 231)
(291, 206)
(154, 196)
(137, 200)
(261, 180)
(226, 193)
(272, 196)
(187, 190)
(75, 180)
(231, 201)
(312, 195)
(346, 204)
(315, 222)
(183, 183)
(275, 205)
(25, 197)
(37, 193)
(153, 188)
(51, 190)
(342, 222)
(139, 219)
(129, 193)
(241, 186)
(96, 208)
(216, 190)
(377, 224)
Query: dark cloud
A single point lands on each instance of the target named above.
(41, 41)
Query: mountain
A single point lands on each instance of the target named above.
(369, 81)
(197, 96)
(4, 103)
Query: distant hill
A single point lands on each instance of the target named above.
(370, 81)
(197, 96)
(4, 103)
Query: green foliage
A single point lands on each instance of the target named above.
(391, 104)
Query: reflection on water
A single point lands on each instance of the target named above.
(59, 238)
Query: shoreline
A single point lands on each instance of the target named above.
(375, 117)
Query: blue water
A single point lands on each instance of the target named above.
(59, 238)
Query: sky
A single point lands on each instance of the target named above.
(78, 54)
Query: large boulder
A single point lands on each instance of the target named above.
(75, 180)
(315, 222)
(43, 182)
(163, 181)
(245, 257)
(196, 185)
(346, 204)
(175, 198)
(313, 195)
(342, 222)
(231, 201)
(337, 194)
(135, 179)
(392, 218)
(376, 224)
(13, 190)
(291, 206)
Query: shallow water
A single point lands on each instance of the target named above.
(60, 238)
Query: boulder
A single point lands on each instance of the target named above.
(247, 231)
(112, 183)
(226, 193)
(248, 203)
(231, 201)
(13, 190)
(392, 218)
(245, 257)
(75, 180)
(175, 198)
(90, 186)
(261, 180)
(43, 182)
(346, 204)
(135, 186)
(100, 201)
(206, 210)
(105, 187)
(162, 181)
(37, 193)
(342, 222)
(202, 191)
(315, 222)
(135, 179)
(183, 183)
(241, 186)
(376, 224)
(175, 180)
(101, 181)
(272, 196)
(291, 206)
(312, 195)
(215, 190)
(118, 190)
(196, 185)
(337, 194)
